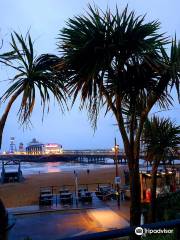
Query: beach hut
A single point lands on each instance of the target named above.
(11, 176)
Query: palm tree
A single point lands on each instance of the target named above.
(161, 138)
(34, 74)
(116, 60)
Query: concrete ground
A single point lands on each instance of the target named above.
(60, 223)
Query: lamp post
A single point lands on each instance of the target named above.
(117, 179)
(76, 187)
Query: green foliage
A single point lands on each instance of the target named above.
(169, 214)
(168, 206)
(161, 138)
(171, 236)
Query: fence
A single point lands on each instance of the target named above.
(173, 225)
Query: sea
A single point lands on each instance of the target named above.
(30, 168)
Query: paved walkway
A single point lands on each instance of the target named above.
(96, 203)
(54, 222)
(123, 210)
(107, 218)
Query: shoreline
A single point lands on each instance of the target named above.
(34, 168)
(27, 192)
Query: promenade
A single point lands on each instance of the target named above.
(56, 221)
(59, 224)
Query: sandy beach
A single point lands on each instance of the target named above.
(27, 192)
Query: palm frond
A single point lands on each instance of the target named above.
(120, 52)
(34, 74)
(161, 138)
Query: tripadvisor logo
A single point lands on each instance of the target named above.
(140, 231)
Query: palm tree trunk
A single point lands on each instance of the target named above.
(135, 187)
(132, 155)
(153, 194)
(6, 112)
(135, 190)
(135, 193)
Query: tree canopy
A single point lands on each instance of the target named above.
(161, 138)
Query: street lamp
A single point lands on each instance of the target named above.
(76, 187)
(115, 149)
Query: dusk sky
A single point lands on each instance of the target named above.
(45, 18)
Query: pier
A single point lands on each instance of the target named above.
(68, 156)
(75, 156)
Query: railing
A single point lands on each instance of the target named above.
(100, 152)
(94, 186)
(125, 232)
(73, 152)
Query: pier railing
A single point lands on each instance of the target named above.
(87, 156)
(101, 152)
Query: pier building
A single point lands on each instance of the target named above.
(34, 147)
(37, 148)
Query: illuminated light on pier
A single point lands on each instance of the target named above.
(53, 148)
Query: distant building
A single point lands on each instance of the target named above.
(12, 147)
(35, 148)
(21, 149)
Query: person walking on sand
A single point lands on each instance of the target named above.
(88, 171)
